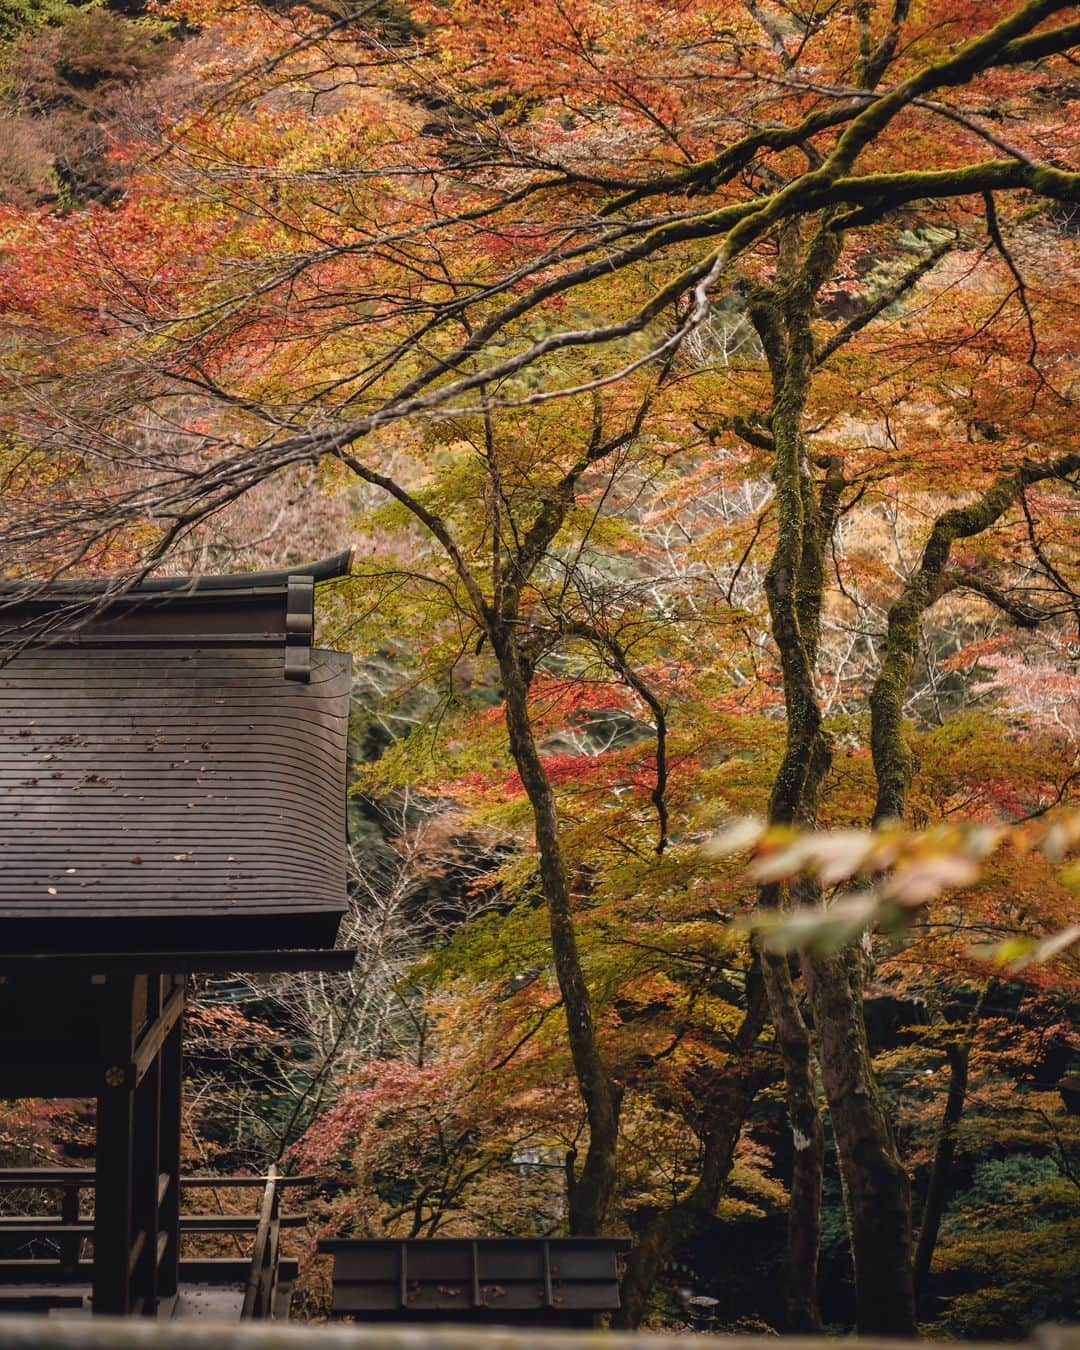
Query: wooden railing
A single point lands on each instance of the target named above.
(263, 1277)
(68, 1229)
(64, 1228)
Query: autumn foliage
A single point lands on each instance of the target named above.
(697, 385)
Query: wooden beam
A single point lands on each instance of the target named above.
(43, 1270)
(226, 1182)
(146, 1169)
(51, 1226)
(233, 1223)
(178, 962)
(154, 1037)
(69, 1213)
(82, 1178)
(69, 1178)
(45, 1226)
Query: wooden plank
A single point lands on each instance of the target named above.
(458, 1277)
(113, 591)
(81, 1178)
(69, 1213)
(147, 1145)
(233, 1223)
(220, 926)
(70, 1178)
(50, 1226)
(200, 1270)
(45, 1226)
(247, 1181)
(228, 1270)
(34, 1302)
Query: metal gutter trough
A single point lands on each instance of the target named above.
(535, 1281)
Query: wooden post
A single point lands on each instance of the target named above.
(69, 1246)
(145, 1170)
(169, 1159)
(115, 1140)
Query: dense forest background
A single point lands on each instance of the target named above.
(696, 386)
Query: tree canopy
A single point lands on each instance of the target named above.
(698, 385)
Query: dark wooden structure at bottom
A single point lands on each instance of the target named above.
(534, 1281)
(116, 1038)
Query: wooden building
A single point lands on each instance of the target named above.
(172, 801)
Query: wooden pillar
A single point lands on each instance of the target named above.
(69, 1246)
(169, 1210)
(114, 1152)
(145, 1173)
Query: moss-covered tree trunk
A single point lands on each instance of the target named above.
(875, 1180)
(794, 586)
(808, 1150)
(894, 764)
(939, 1187)
(591, 1190)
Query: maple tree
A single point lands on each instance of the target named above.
(669, 341)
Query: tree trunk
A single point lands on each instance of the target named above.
(894, 763)
(808, 1155)
(940, 1183)
(688, 1218)
(729, 1099)
(794, 588)
(876, 1184)
(591, 1191)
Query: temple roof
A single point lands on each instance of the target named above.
(172, 766)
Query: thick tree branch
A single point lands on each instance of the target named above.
(889, 297)
(434, 523)
(893, 762)
(1022, 614)
(620, 661)
(1038, 45)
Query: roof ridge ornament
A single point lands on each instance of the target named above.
(299, 626)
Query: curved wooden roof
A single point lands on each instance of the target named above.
(325, 569)
(165, 790)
